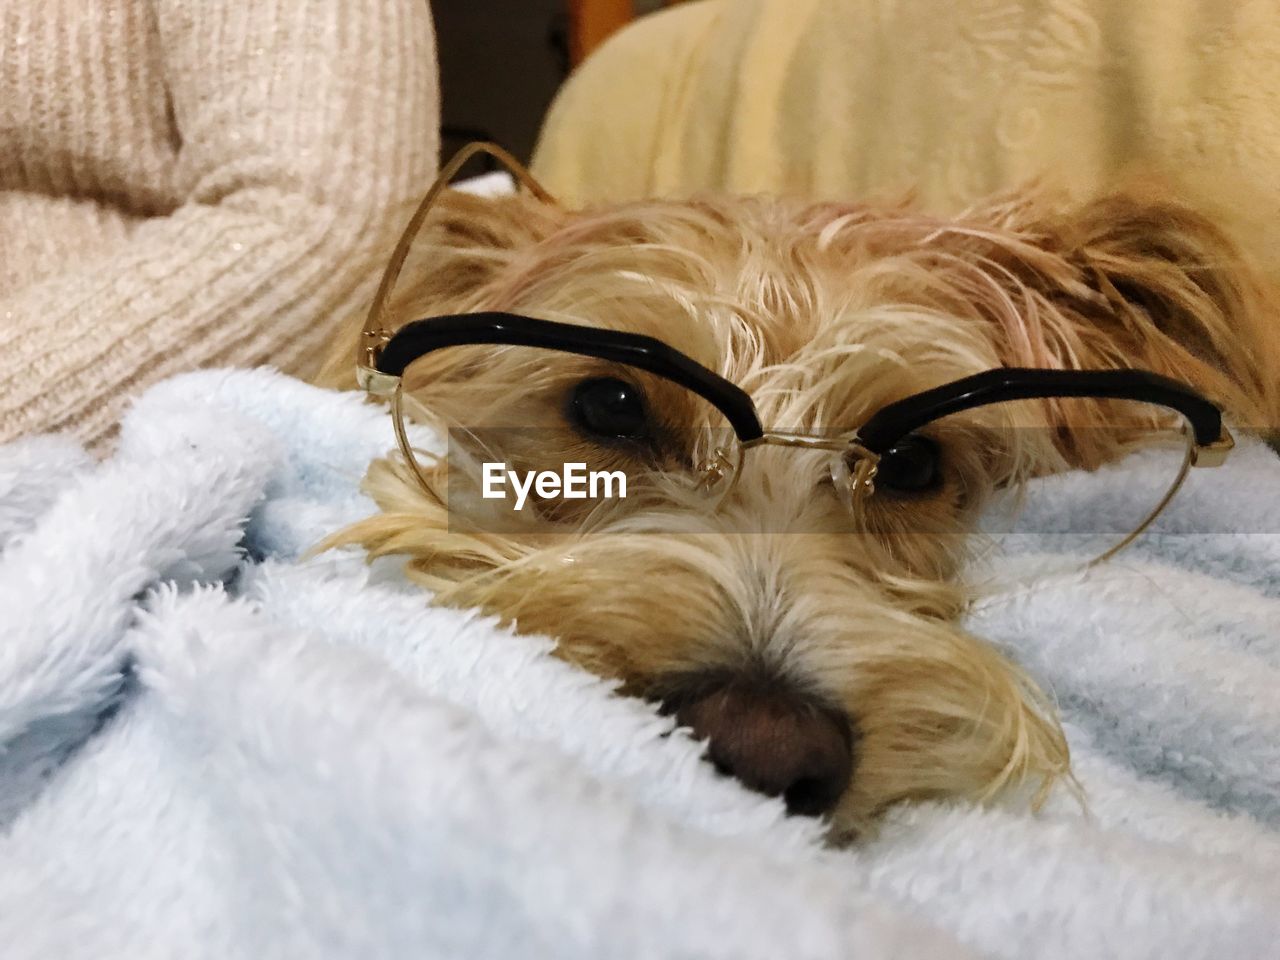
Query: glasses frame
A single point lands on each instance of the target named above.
(383, 356)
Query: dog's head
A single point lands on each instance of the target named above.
(816, 646)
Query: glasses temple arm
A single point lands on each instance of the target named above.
(377, 322)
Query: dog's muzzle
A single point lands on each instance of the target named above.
(774, 739)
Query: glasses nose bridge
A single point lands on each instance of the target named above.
(853, 466)
(804, 441)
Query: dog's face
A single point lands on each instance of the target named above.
(815, 645)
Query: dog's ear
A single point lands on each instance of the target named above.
(1136, 279)
(460, 255)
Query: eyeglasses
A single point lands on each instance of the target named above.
(889, 454)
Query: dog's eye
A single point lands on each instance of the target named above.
(610, 408)
(910, 466)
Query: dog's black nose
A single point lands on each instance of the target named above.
(774, 740)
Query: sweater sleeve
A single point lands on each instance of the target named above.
(301, 129)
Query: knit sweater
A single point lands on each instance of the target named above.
(187, 184)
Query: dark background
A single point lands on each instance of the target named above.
(501, 62)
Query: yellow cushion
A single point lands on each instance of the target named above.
(954, 98)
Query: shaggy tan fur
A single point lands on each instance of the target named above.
(823, 313)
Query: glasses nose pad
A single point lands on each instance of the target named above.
(714, 470)
(853, 474)
(719, 473)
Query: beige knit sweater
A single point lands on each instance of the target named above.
(186, 184)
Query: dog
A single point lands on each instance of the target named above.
(821, 658)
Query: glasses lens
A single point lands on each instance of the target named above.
(1078, 476)
(1068, 477)
(540, 439)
